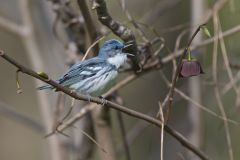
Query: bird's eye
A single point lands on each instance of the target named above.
(116, 47)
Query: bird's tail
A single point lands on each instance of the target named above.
(45, 87)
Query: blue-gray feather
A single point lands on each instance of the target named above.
(94, 75)
(76, 72)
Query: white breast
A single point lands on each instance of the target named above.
(104, 83)
(96, 85)
(118, 59)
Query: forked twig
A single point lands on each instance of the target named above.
(92, 45)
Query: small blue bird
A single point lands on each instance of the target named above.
(96, 75)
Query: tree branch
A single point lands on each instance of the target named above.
(110, 104)
(118, 29)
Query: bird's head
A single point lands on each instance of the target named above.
(111, 50)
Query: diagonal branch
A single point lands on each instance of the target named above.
(110, 104)
(118, 29)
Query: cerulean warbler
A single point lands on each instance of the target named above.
(96, 75)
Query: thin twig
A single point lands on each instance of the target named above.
(216, 90)
(179, 52)
(92, 45)
(227, 65)
(200, 106)
(76, 117)
(136, 131)
(174, 80)
(162, 129)
(123, 132)
(132, 20)
(230, 84)
(177, 45)
(159, 9)
(174, 28)
(94, 141)
(119, 100)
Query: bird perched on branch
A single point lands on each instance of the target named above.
(96, 75)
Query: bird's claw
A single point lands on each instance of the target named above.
(103, 101)
(89, 98)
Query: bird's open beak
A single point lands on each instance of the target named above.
(128, 54)
(126, 46)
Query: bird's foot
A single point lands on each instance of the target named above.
(89, 98)
(103, 100)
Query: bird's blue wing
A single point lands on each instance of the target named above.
(83, 70)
